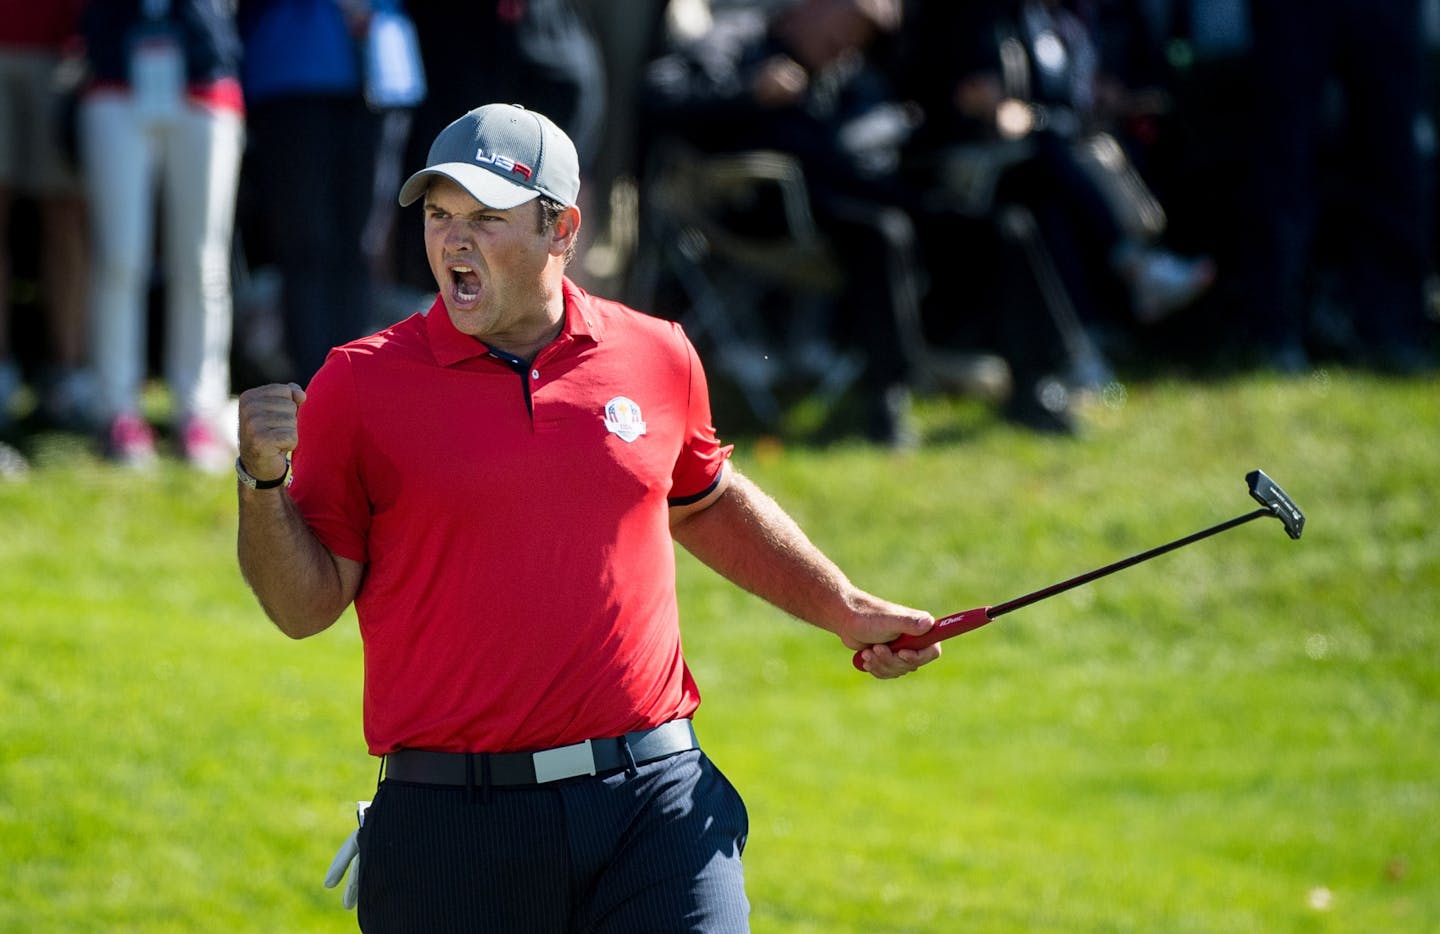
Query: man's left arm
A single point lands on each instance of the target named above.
(744, 535)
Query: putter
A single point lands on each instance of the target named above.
(1273, 502)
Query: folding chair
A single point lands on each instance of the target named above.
(734, 233)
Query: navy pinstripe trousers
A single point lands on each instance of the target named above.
(657, 850)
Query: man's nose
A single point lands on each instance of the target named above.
(457, 237)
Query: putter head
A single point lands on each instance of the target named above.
(1268, 494)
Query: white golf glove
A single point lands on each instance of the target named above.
(348, 853)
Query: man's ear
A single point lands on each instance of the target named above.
(566, 230)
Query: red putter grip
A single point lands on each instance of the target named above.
(952, 625)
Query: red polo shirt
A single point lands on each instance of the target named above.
(519, 588)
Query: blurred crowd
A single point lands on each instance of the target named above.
(1020, 198)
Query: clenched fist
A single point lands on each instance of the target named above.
(269, 427)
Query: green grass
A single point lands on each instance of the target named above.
(1242, 736)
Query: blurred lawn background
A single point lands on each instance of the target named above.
(1242, 736)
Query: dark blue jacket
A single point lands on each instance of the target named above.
(206, 29)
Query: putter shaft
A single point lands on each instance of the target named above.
(968, 620)
(1273, 501)
(1002, 608)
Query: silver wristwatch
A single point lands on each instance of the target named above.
(254, 484)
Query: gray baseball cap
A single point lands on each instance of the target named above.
(504, 156)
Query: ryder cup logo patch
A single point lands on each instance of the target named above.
(622, 418)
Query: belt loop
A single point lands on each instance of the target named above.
(470, 776)
(381, 777)
(631, 768)
(485, 777)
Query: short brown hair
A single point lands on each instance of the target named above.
(550, 211)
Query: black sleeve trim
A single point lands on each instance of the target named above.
(697, 497)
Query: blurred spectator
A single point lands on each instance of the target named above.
(38, 67)
(164, 104)
(1009, 89)
(804, 79)
(539, 54)
(1341, 80)
(628, 34)
(311, 157)
(1195, 144)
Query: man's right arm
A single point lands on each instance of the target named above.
(302, 586)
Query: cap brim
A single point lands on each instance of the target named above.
(483, 185)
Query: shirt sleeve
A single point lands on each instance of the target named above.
(328, 486)
(702, 456)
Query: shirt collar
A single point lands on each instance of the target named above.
(451, 347)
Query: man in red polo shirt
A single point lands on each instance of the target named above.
(496, 484)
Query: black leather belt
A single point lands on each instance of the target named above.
(591, 757)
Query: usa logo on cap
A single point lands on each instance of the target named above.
(504, 162)
(622, 418)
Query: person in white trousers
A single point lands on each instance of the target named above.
(164, 142)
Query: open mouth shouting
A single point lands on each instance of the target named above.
(464, 285)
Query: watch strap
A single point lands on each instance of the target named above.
(256, 484)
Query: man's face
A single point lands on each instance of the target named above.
(489, 264)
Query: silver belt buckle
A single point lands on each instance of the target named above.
(551, 765)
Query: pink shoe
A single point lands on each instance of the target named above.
(203, 446)
(130, 441)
